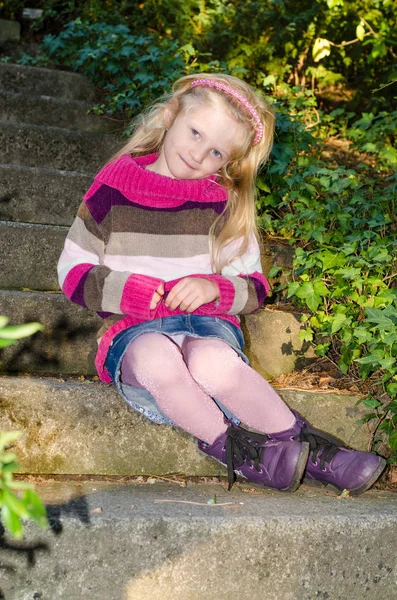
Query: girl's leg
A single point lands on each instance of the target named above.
(222, 374)
(156, 363)
(152, 361)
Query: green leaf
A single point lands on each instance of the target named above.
(11, 521)
(371, 403)
(393, 440)
(306, 335)
(15, 504)
(274, 271)
(331, 260)
(321, 49)
(35, 507)
(391, 389)
(320, 288)
(360, 31)
(293, 288)
(392, 407)
(306, 292)
(379, 317)
(16, 332)
(3, 321)
(337, 322)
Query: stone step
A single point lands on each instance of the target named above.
(165, 542)
(56, 112)
(55, 148)
(29, 255)
(68, 343)
(46, 196)
(45, 82)
(74, 427)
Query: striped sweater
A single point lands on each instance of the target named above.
(136, 229)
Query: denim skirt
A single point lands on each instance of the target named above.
(189, 325)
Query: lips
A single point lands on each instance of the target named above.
(186, 163)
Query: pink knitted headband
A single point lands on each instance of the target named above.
(218, 85)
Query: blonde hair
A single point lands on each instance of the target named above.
(238, 220)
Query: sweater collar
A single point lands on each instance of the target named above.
(129, 174)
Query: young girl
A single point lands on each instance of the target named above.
(165, 249)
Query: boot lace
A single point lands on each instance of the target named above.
(321, 444)
(243, 447)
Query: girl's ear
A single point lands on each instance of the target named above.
(170, 112)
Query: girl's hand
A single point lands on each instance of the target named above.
(190, 293)
(157, 296)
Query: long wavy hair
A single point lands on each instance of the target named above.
(236, 226)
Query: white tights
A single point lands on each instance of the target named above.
(184, 380)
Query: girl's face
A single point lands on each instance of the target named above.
(199, 143)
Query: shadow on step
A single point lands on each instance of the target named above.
(77, 508)
(63, 347)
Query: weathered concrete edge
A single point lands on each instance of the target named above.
(158, 546)
(87, 428)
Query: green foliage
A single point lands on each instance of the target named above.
(343, 221)
(14, 508)
(9, 334)
(334, 46)
(133, 70)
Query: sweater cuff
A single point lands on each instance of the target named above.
(137, 294)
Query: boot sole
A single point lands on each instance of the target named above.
(300, 468)
(356, 492)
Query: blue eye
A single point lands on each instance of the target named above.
(216, 153)
(195, 133)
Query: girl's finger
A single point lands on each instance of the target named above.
(155, 300)
(177, 298)
(189, 302)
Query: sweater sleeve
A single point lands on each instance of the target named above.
(242, 285)
(82, 275)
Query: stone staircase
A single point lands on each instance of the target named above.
(76, 426)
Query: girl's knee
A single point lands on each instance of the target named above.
(212, 359)
(152, 356)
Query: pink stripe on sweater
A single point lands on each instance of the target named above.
(73, 278)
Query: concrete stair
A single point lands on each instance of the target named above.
(54, 147)
(165, 542)
(34, 81)
(52, 199)
(56, 112)
(83, 427)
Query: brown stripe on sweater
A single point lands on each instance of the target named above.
(252, 301)
(94, 287)
(136, 219)
(164, 246)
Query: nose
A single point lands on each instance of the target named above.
(197, 154)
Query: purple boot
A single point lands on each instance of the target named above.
(258, 458)
(330, 462)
